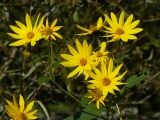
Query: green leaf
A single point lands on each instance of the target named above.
(88, 113)
(133, 80)
(121, 58)
(57, 63)
(42, 79)
(85, 100)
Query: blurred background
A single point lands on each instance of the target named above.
(141, 102)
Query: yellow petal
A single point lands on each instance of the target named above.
(70, 63)
(121, 19)
(74, 72)
(134, 31)
(84, 29)
(110, 22)
(132, 25)
(99, 23)
(103, 47)
(110, 66)
(28, 22)
(21, 103)
(73, 52)
(54, 23)
(128, 21)
(57, 28)
(114, 19)
(115, 72)
(21, 25)
(119, 77)
(58, 35)
(29, 107)
(19, 43)
(79, 46)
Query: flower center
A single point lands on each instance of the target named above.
(22, 116)
(119, 31)
(99, 54)
(106, 81)
(97, 93)
(83, 62)
(49, 31)
(30, 35)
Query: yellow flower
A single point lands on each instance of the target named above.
(20, 112)
(82, 59)
(105, 79)
(50, 30)
(101, 54)
(96, 95)
(120, 30)
(26, 53)
(92, 27)
(26, 34)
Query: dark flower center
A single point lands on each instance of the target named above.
(106, 81)
(30, 35)
(119, 31)
(83, 62)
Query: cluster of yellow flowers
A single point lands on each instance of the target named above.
(97, 65)
(32, 33)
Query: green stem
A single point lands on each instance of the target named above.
(64, 90)
(119, 113)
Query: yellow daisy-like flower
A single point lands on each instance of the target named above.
(51, 30)
(26, 34)
(82, 59)
(101, 54)
(20, 112)
(105, 79)
(96, 95)
(120, 30)
(92, 27)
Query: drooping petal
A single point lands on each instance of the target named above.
(74, 72)
(19, 43)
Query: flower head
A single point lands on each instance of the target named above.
(96, 95)
(51, 30)
(82, 59)
(26, 34)
(105, 79)
(20, 112)
(101, 54)
(92, 27)
(120, 30)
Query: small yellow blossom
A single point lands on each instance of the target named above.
(20, 111)
(51, 30)
(92, 27)
(105, 79)
(96, 95)
(26, 34)
(26, 53)
(120, 30)
(101, 54)
(83, 59)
